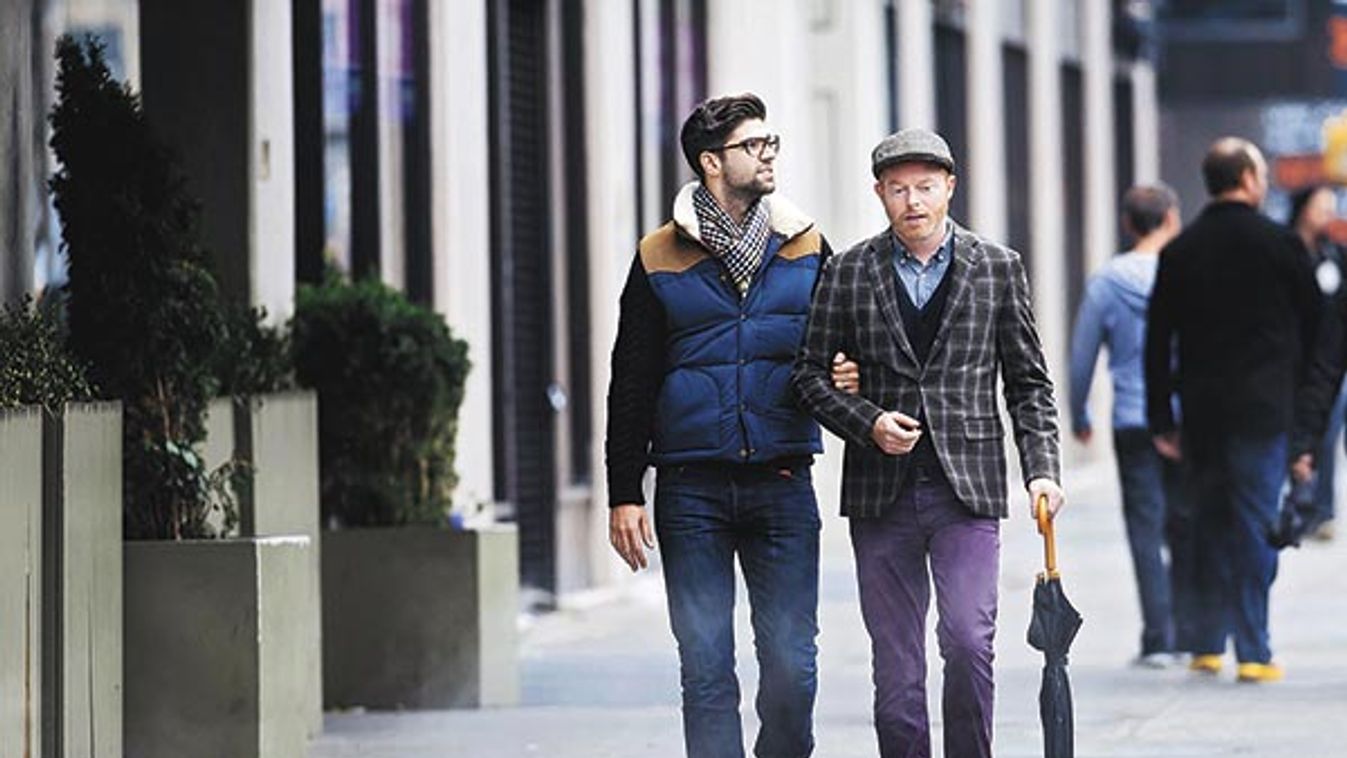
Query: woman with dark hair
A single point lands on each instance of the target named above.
(1313, 209)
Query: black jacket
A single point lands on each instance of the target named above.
(1320, 389)
(1235, 291)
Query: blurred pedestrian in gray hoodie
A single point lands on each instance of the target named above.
(1113, 314)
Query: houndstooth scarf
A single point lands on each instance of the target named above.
(740, 246)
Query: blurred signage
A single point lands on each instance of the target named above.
(1337, 42)
(1292, 172)
(1335, 148)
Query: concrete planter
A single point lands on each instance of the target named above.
(214, 642)
(218, 447)
(82, 582)
(420, 617)
(21, 582)
(278, 435)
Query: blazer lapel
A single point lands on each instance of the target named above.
(879, 255)
(966, 258)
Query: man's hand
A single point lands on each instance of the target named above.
(1084, 435)
(896, 433)
(630, 533)
(846, 374)
(1302, 469)
(1169, 445)
(1044, 486)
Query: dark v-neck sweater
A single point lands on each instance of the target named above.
(920, 325)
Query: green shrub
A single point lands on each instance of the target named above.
(144, 312)
(35, 366)
(252, 358)
(389, 376)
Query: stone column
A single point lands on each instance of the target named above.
(916, 64)
(461, 232)
(986, 162)
(229, 115)
(1101, 218)
(1047, 202)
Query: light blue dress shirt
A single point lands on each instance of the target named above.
(921, 280)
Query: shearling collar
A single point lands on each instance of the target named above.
(784, 217)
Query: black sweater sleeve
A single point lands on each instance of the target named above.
(637, 373)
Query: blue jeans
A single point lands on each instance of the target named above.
(1157, 518)
(704, 516)
(1235, 481)
(1325, 459)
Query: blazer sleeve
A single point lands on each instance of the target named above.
(850, 417)
(1028, 388)
(1323, 378)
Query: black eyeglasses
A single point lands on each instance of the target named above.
(754, 146)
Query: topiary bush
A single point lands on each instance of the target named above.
(252, 358)
(390, 377)
(144, 312)
(36, 368)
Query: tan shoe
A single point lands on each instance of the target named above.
(1259, 672)
(1206, 664)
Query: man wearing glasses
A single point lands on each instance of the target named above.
(711, 317)
(934, 315)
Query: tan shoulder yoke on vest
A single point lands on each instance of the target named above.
(666, 251)
(805, 243)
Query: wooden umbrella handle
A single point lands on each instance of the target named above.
(1049, 538)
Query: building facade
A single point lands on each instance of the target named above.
(499, 159)
(1272, 72)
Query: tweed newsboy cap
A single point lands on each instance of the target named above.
(911, 145)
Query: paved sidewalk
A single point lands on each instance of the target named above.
(601, 681)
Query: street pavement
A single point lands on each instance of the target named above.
(600, 676)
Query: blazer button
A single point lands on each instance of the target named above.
(743, 452)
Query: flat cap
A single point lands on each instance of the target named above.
(911, 145)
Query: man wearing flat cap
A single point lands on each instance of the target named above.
(932, 313)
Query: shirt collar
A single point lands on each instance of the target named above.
(942, 253)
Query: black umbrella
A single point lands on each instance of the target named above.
(1052, 628)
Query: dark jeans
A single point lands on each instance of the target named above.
(928, 525)
(1235, 482)
(704, 516)
(1158, 518)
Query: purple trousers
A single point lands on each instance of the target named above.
(927, 535)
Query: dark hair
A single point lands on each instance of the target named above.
(1226, 161)
(711, 122)
(1144, 207)
(1300, 200)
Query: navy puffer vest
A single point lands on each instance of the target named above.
(727, 395)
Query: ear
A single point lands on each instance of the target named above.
(1249, 180)
(879, 190)
(953, 180)
(1173, 219)
(710, 163)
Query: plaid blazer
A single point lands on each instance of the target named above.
(987, 327)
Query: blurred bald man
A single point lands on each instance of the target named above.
(1235, 296)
